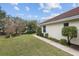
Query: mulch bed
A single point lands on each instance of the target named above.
(75, 46)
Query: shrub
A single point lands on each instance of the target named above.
(63, 41)
(53, 39)
(39, 32)
(46, 35)
(13, 35)
(7, 36)
(2, 33)
(70, 32)
(30, 32)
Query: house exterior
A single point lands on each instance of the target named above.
(54, 25)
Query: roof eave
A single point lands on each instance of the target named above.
(61, 20)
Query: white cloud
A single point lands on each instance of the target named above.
(75, 5)
(55, 14)
(41, 5)
(53, 5)
(21, 14)
(27, 8)
(29, 16)
(14, 4)
(51, 16)
(46, 18)
(36, 16)
(47, 7)
(43, 18)
(16, 8)
(46, 11)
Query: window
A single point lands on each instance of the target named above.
(66, 24)
(44, 28)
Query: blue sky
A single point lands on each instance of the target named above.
(38, 11)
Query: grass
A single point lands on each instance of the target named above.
(27, 45)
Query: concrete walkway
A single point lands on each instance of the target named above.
(64, 48)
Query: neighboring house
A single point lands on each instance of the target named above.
(54, 25)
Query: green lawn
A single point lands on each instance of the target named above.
(27, 45)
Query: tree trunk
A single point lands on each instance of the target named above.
(69, 41)
(10, 35)
(3, 30)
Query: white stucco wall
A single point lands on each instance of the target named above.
(54, 30)
(75, 40)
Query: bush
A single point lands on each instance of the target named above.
(53, 39)
(13, 35)
(46, 35)
(7, 36)
(70, 32)
(30, 32)
(40, 34)
(63, 41)
(2, 33)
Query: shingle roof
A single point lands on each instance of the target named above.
(69, 13)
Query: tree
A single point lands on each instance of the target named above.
(32, 26)
(14, 26)
(20, 25)
(70, 32)
(10, 27)
(39, 31)
(2, 15)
